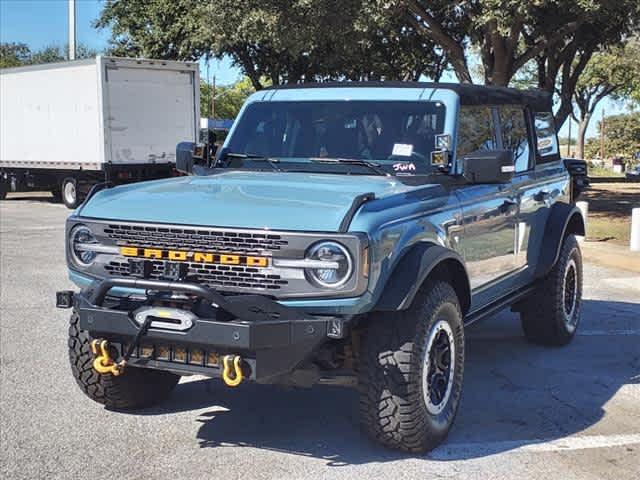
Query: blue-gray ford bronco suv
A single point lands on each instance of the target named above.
(343, 233)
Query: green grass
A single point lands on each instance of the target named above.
(603, 172)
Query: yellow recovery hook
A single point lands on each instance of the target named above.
(103, 363)
(237, 377)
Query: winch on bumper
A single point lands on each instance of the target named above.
(271, 339)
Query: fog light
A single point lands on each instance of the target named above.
(212, 359)
(163, 353)
(140, 268)
(64, 299)
(180, 355)
(196, 357)
(175, 271)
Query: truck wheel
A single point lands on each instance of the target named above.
(134, 388)
(551, 315)
(69, 188)
(411, 369)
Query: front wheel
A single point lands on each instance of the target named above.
(411, 370)
(552, 314)
(134, 388)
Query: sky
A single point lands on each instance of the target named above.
(41, 23)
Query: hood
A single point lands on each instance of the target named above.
(242, 199)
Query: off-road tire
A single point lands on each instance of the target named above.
(393, 408)
(70, 193)
(134, 388)
(545, 317)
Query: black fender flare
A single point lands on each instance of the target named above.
(564, 219)
(415, 266)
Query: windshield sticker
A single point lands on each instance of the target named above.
(402, 150)
(404, 167)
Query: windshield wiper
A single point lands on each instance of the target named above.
(352, 161)
(255, 157)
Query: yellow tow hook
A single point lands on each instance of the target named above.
(103, 363)
(238, 376)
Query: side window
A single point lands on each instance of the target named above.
(514, 136)
(546, 138)
(476, 130)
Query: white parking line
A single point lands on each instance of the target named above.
(580, 333)
(457, 450)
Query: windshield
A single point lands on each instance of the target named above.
(398, 136)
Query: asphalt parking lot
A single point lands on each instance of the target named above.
(527, 412)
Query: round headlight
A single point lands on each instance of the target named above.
(80, 241)
(339, 264)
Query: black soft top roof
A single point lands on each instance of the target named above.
(538, 100)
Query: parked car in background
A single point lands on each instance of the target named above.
(633, 173)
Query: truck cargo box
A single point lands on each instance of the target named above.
(88, 113)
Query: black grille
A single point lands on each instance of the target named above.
(194, 239)
(212, 275)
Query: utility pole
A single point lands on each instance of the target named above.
(602, 136)
(72, 29)
(569, 145)
(213, 99)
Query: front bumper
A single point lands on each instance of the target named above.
(272, 339)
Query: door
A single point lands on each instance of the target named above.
(149, 111)
(489, 211)
(543, 184)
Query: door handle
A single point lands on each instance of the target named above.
(542, 196)
(508, 205)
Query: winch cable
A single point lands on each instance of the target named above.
(136, 340)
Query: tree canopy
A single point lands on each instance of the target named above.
(613, 72)
(291, 41)
(622, 137)
(19, 54)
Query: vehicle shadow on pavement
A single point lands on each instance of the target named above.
(515, 394)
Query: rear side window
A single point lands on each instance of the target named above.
(476, 131)
(547, 142)
(514, 136)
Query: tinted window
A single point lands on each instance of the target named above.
(514, 136)
(363, 130)
(546, 137)
(476, 131)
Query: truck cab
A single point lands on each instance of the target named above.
(344, 233)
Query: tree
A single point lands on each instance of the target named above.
(282, 41)
(229, 99)
(163, 29)
(560, 36)
(622, 137)
(614, 72)
(13, 54)
(19, 54)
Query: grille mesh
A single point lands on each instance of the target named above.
(212, 275)
(194, 239)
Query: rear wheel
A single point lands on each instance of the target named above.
(411, 370)
(552, 314)
(134, 388)
(69, 189)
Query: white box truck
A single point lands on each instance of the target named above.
(67, 126)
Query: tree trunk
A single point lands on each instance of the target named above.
(582, 133)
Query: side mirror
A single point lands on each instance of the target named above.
(184, 157)
(491, 166)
